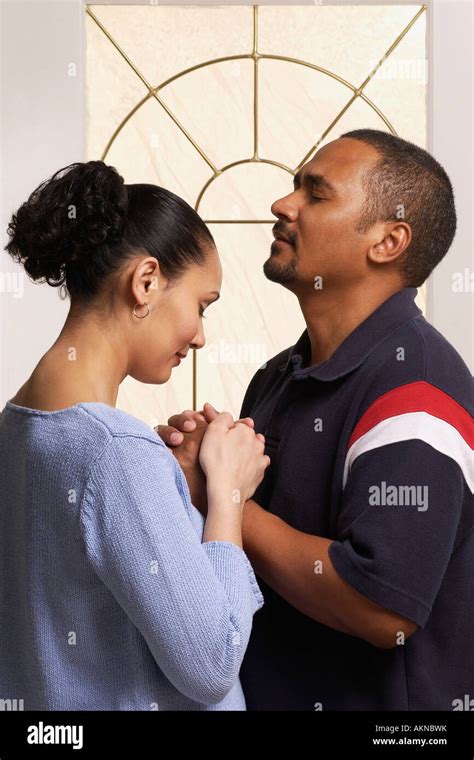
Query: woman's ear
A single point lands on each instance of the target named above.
(146, 280)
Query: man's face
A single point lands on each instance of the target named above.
(320, 219)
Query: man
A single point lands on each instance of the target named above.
(362, 531)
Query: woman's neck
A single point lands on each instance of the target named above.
(85, 363)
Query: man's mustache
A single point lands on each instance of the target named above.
(280, 232)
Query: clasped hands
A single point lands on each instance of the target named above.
(184, 434)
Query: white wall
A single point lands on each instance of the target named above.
(452, 144)
(43, 130)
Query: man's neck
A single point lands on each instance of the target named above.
(331, 316)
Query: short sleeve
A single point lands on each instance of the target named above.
(397, 526)
(193, 602)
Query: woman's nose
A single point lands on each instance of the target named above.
(199, 339)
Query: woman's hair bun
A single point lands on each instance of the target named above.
(80, 209)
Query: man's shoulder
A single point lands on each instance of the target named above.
(416, 387)
(444, 365)
(418, 355)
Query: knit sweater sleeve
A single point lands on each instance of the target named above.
(193, 602)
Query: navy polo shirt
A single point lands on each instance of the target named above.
(372, 449)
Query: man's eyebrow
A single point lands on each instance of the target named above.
(316, 179)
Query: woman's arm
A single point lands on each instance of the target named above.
(192, 602)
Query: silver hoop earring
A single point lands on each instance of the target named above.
(143, 315)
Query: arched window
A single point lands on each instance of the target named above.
(222, 105)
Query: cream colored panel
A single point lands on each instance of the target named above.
(340, 38)
(222, 119)
(420, 299)
(399, 86)
(296, 104)
(245, 192)
(162, 41)
(155, 403)
(112, 89)
(150, 148)
(253, 320)
(359, 115)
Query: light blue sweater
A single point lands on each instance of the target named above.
(109, 600)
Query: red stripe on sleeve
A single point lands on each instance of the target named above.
(416, 397)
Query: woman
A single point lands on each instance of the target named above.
(115, 594)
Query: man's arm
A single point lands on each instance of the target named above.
(298, 567)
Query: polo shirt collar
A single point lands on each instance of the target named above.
(354, 349)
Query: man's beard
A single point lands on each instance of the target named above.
(283, 274)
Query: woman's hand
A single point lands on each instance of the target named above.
(233, 460)
(184, 434)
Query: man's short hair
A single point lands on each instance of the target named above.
(408, 183)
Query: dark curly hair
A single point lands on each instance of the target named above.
(408, 176)
(84, 223)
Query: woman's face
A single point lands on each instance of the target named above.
(174, 324)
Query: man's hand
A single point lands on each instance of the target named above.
(180, 425)
(183, 435)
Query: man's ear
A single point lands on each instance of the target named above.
(394, 239)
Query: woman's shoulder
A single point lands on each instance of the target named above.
(118, 422)
(77, 435)
(128, 445)
(133, 462)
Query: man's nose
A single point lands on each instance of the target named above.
(285, 207)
